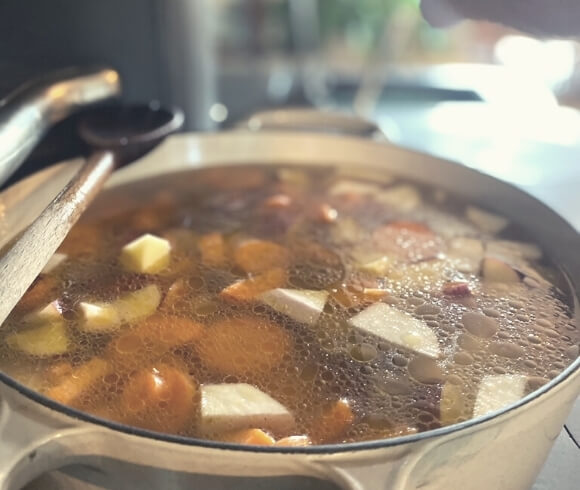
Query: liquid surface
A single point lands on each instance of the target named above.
(290, 306)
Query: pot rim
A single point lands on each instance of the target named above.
(567, 373)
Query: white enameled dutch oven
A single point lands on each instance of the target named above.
(503, 450)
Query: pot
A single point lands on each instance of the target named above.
(503, 450)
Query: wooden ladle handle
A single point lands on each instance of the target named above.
(28, 255)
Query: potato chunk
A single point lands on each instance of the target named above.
(227, 407)
(102, 317)
(147, 254)
(46, 340)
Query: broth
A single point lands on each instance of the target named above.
(290, 306)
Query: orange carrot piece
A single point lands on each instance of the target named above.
(408, 240)
(335, 420)
(160, 398)
(294, 441)
(76, 384)
(244, 345)
(153, 337)
(255, 256)
(56, 372)
(411, 226)
(248, 289)
(213, 250)
(254, 437)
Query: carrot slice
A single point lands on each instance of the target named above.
(294, 441)
(77, 383)
(244, 345)
(255, 256)
(213, 250)
(334, 421)
(153, 337)
(56, 372)
(160, 398)
(248, 289)
(408, 240)
(410, 226)
(255, 437)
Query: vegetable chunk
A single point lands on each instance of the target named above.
(397, 327)
(302, 305)
(254, 437)
(103, 317)
(335, 420)
(244, 345)
(160, 398)
(43, 341)
(498, 391)
(147, 254)
(237, 406)
(255, 256)
(250, 289)
(75, 384)
(212, 248)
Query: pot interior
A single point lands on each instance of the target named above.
(536, 222)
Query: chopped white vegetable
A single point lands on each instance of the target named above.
(452, 403)
(398, 328)
(491, 223)
(498, 391)
(302, 305)
(496, 270)
(47, 340)
(54, 262)
(50, 313)
(147, 254)
(509, 248)
(241, 406)
(129, 308)
(102, 317)
(402, 197)
(466, 254)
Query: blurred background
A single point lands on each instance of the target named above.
(486, 95)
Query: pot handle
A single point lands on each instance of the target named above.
(28, 113)
(30, 447)
(313, 120)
